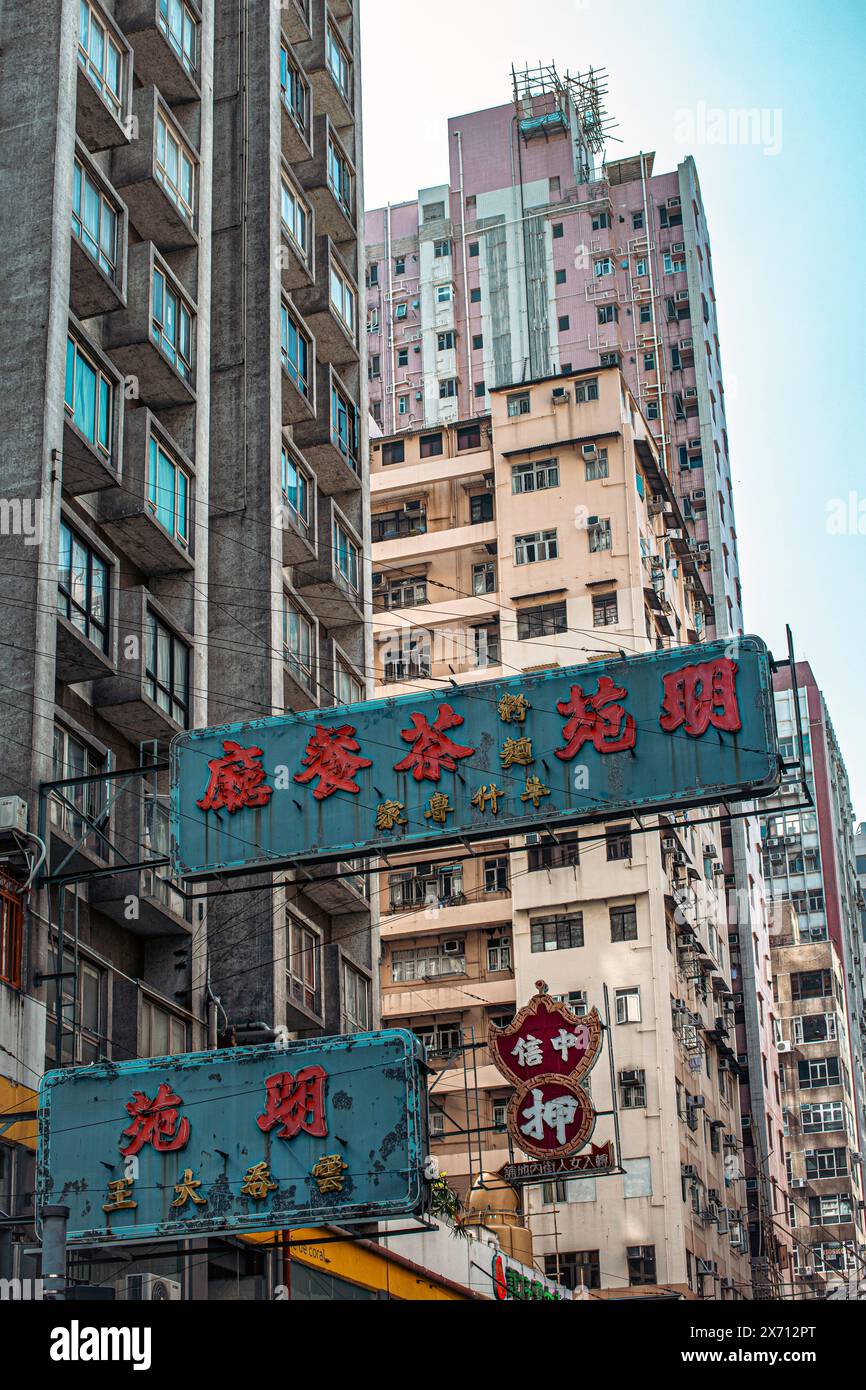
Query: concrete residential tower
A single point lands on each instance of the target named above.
(184, 474)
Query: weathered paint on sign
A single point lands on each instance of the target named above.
(690, 726)
(245, 1139)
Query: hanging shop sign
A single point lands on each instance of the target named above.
(545, 1052)
(597, 1160)
(235, 1141)
(671, 729)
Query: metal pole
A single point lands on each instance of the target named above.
(613, 1094)
(54, 1222)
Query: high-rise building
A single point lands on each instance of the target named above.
(539, 257)
(185, 516)
(810, 863)
(860, 858)
(548, 534)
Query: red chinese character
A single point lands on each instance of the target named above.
(596, 719)
(331, 758)
(699, 696)
(295, 1102)
(237, 780)
(155, 1122)
(433, 749)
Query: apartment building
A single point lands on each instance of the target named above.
(810, 863)
(860, 860)
(184, 518)
(548, 533)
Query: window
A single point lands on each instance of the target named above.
(448, 389)
(168, 489)
(627, 1005)
(468, 437)
(343, 299)
(339, 177)
(445, 341)
(537, 546)
(430, 883)
(641, 1261)
(406, 593)
(649, 361)
(547, 620)
(498, 953)
(600, 536)
(94, 221)
(477, 342)
(297, 490)
(166, 669)
(347, 557)
(356, 1015)
(296, 220)
(409, 520)
(561, 277)
(171, 325)
(295, 350)
(100, 57)
(562, 853)
(475, 296)
(484, 578)
(822, 1117)
(89, 399)
(496, 875)
(564, 323)
(75, 759)
(294, 91)
(605, 612)
(160, 1032)
(646, 313)
(608, 313)
(344, 426)
(393, 453)
(818, 1071)
(576, 1001)
(674, 266)
(298, 641)
(441, 249)
(175, 168)
(586, 390)
(826, 1163)
(11, 932)
(403, 357)
(428, 962)
(487, 646)
(618, 840)
(434, 212)
(373, 274)
(373, 320)
(303, 970)
(632, 1089)
(83, 1008)
(603, 267)
(347, 687)
(481, 508)
(499, 1114)
(444, 294)
(600, 221)
(560, 933)
(535, 477)
(180, 27)
(473, 249)
(831, 1210)
(558, 230)
(82, 588)
(574, 1269)
(597, 468)
(431, 445)
(402, 405)
(339, 65)
(374, 366)
(623, 924)
(811, 984)
(810, 1028)
(637, 221)
(480, 389)
(519, 404)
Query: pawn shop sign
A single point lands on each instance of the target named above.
(545, 1051)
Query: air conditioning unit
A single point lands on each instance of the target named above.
(805, 1272)
(694, 444)
(675, 202)
(679, 1006)
(678, 247)
(699, 495)
(151, 1288)
(688, 1170)
(691, 393)
(731, 1141)
(784, 1046)
(560, 395)
(669, 845)
(630, 1078)
(723, 1221)
(590, 451)
(686, 344)
(702, 547)
(411, 507)
(706, 1267)
(681, 295)
(718, 867)
(452, 948)
(798, 1182)
(13, 813)
(696, 1102)
(378, 581)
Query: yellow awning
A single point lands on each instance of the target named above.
(367, 1268)
(15, 1097)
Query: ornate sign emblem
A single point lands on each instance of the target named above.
(545, 1051)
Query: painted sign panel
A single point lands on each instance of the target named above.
(674, 728)
(598, 1160)
(244, 1139)
(545, 1051)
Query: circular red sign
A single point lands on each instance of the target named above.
(551, 1117)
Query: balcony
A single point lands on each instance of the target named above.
(152, 518)
(330, 307)
(92, 416)
(141, 831)
(298, 507)
(100, 236)
(331, 441)
(339, 888)
(167, 53)
(296, 105)
(139, 700)
(104, 83)
(158, 175)
(138, 337)
(329, 180)
(297, 231)
(86, 583)
(297, 24)
(333, 585)
(327, 58)
(298, 357)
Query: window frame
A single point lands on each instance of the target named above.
(157, 627)
(71, 605)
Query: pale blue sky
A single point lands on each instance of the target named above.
(787, 236)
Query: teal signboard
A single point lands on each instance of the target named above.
(244, 1139)
(689, 726)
